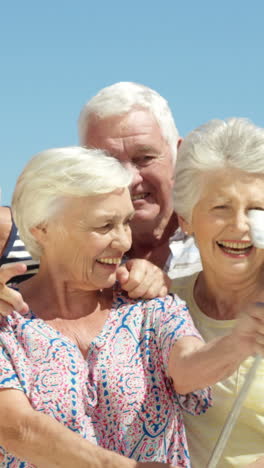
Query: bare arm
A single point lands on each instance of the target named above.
(43, 441)
(194, 365)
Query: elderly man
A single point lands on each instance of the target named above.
(134, 123)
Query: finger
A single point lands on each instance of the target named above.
(155, 291)
(122, 275)
(136, 281)
(5, 309)
(13, 298)
(8, 271)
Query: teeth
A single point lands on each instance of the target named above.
(139, 196)
(235, 244)
(110, 261)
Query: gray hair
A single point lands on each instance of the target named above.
(120, 98)
(218, 144)
(55, 174)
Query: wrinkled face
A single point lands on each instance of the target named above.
(89, 237)
(135, 139)
(220, 222)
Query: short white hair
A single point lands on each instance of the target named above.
(121, 98)
(218, 144)
(55, 174)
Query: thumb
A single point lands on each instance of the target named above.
(122, 275)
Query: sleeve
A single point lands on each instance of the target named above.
(173, 321)
(8, 356)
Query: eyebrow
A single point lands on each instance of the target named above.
(113, 216)
(145, 148)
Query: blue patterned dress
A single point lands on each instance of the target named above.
(120, 397)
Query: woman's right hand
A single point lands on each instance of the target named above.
(249, 330)
(259, 463)
(10, 299)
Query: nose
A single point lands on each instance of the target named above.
(241, 221)
(122, 239)
(137, 177)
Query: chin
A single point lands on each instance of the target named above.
(145, 216)
(106, 284)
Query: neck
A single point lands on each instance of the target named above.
(51, 298)
(146, 244)
(224, 300)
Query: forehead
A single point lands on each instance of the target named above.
(115, 204)
(232, 183)
(138, 128)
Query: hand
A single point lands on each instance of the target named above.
(259, 463)
(141, 278)
(249, 330)
(9, 298)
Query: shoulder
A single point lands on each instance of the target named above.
(185, 283)
(170, 301)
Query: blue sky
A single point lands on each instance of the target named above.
(204, 57)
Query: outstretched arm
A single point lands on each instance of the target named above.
(194, 365)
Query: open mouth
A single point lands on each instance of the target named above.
(109, 261)
(140, 196)
(238, 248)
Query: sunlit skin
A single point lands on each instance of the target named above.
(233, 267)
(96, 231)
(82, 249)
(135, 139)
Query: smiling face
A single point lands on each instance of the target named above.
(220, 223)
(88, 238)
(136, 139)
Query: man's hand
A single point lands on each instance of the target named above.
(9, 298)
(141, 278)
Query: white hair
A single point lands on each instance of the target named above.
(218, 144)
(55, 174)
(121, 98)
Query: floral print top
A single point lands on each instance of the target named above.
(120, 397)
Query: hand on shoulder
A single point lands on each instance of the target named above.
(9, 298)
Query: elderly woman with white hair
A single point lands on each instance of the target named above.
(219, 179)
(88, 374)
(86, 366)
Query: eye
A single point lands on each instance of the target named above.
(220, 207)
(144, 160)
(105, 228)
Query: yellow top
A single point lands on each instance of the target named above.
(246, 442)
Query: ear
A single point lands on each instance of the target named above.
(40, 233)
(179, 142)
(185, 226)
